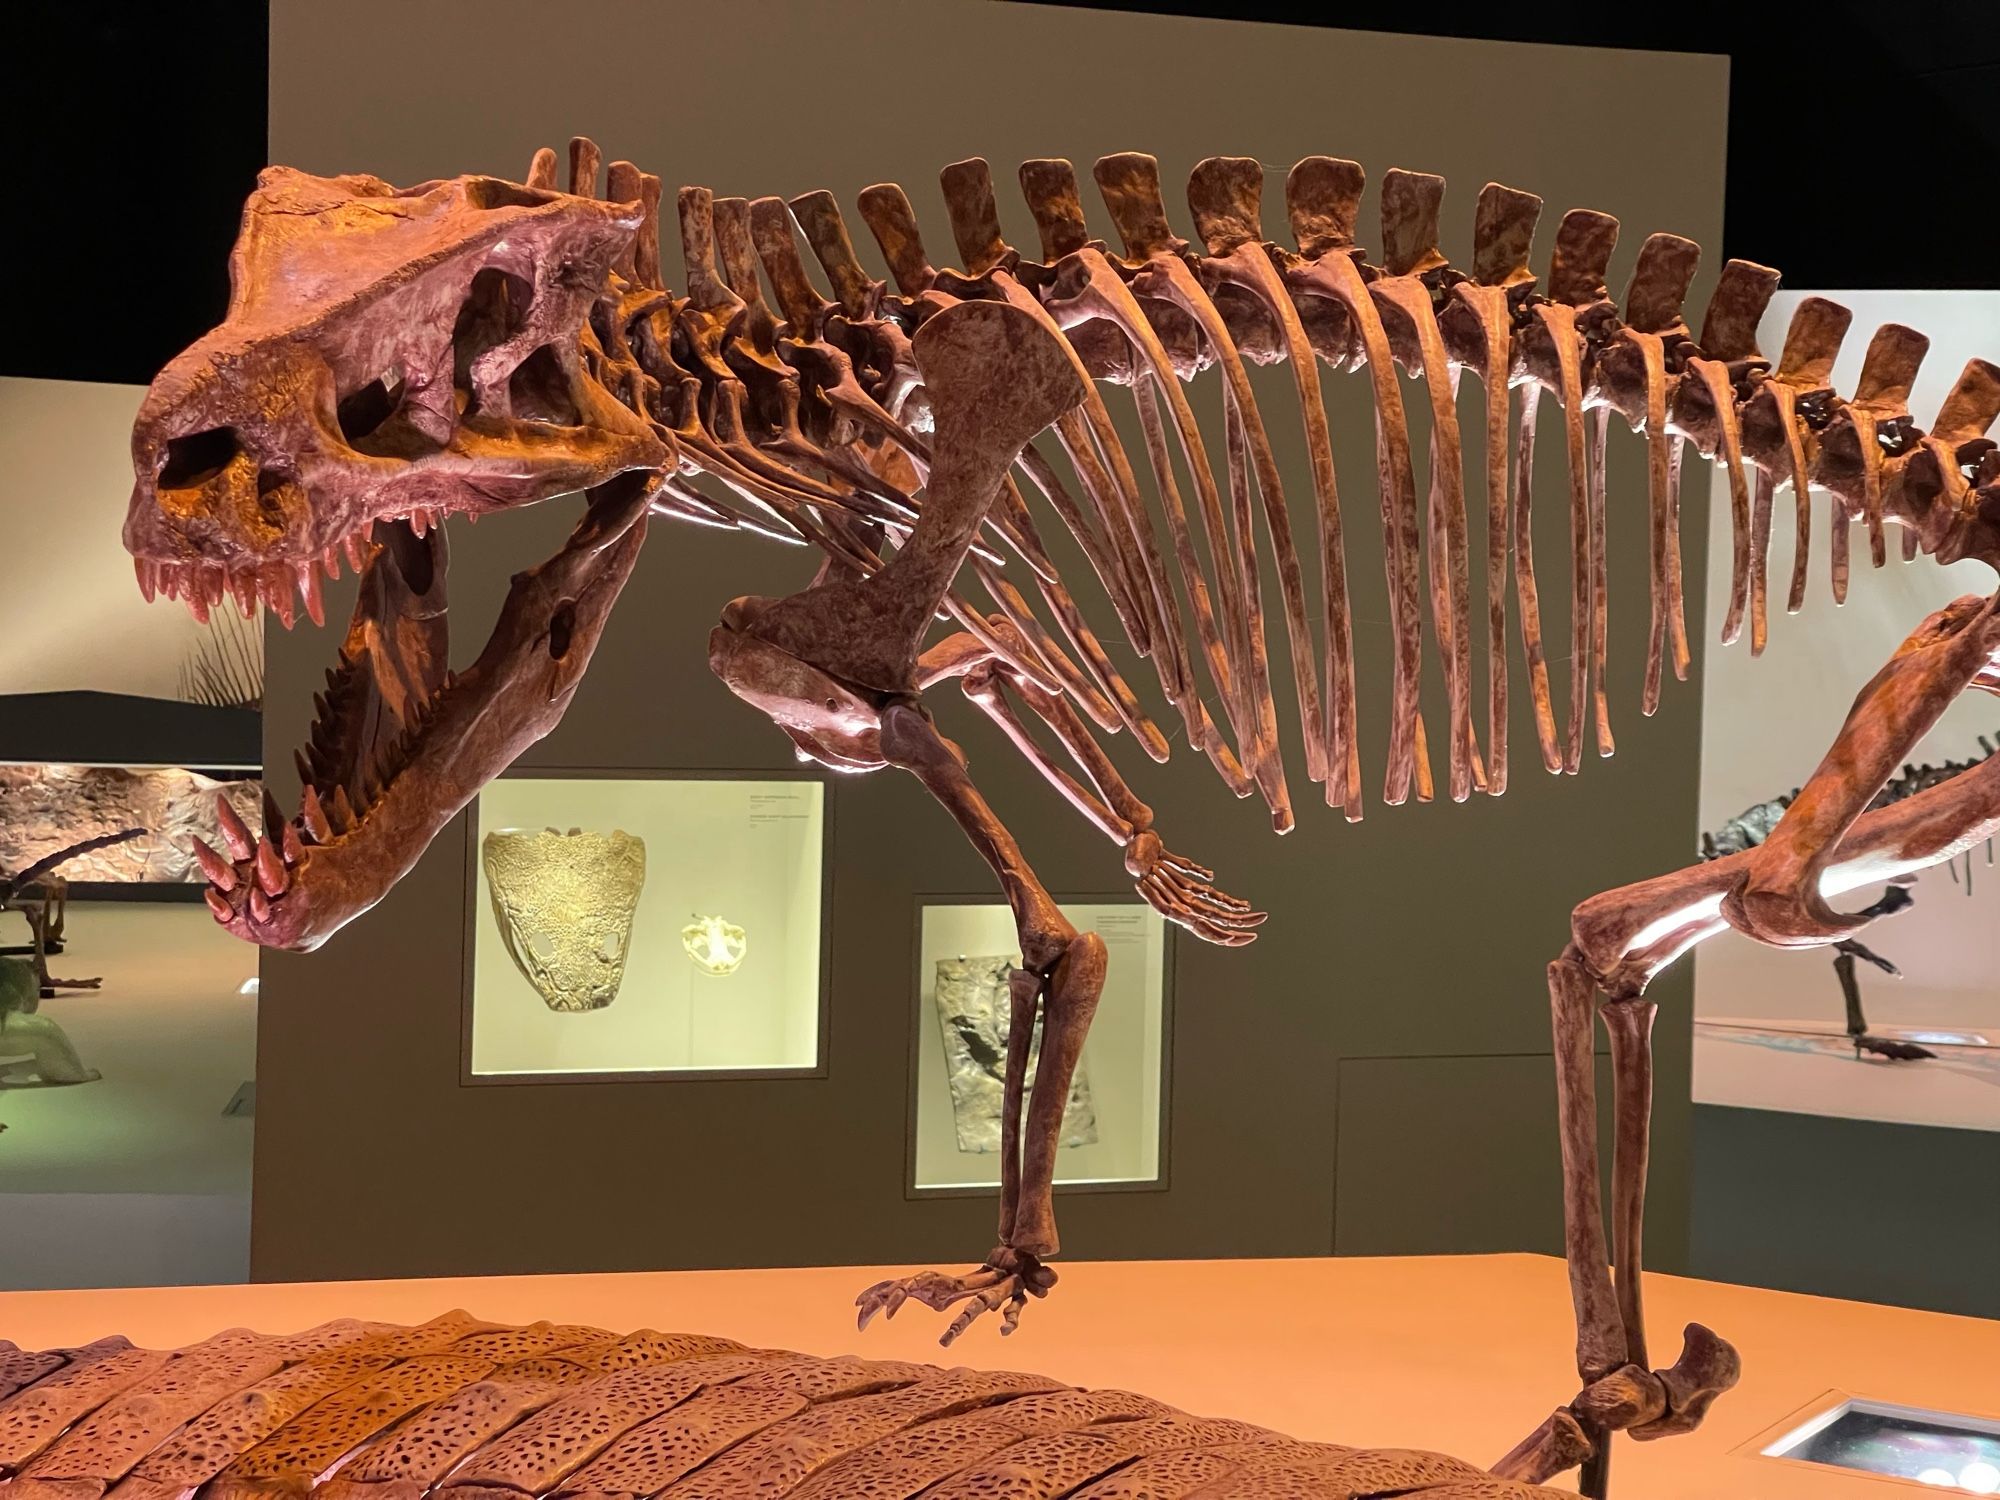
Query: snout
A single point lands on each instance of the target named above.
(223, 450)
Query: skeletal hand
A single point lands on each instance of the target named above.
(1180, 890)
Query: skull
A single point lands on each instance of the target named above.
(391, 357)
(387, 354)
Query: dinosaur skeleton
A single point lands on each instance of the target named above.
(468, 346)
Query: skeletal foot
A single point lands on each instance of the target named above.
(1007, 1280)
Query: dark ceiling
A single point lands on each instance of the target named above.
(1862, 140)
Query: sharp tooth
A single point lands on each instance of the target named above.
(220, 872)
(275, 583)
(419, 522)
(292, 846)
(343, 810)
(260, 907)
(308, 576)
(197, 603)
(243, 587)
(351, 545)
(330, 561)
(314, 816)
(218, 903)
(148, 579)
(303, 767)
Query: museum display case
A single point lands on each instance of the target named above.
(1936, 1449)
(1113, 1118)
(645, 926)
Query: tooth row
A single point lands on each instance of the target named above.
(279, 586)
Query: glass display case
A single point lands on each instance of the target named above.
(1939, 1449)
(1112, 1121)
(639, 926)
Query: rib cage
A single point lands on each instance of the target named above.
(466, 1410)
(757, 395)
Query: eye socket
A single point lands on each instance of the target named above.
(198, 457)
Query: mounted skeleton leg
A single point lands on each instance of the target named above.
(837, 667)
(1776, 893)
(1179, 889)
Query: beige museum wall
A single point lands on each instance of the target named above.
(1371, 1076)
(70, 613)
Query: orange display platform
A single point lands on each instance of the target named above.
(1462, 1354)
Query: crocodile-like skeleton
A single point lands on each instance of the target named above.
(463, 1410)
(468, 346)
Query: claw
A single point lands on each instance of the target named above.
(235, 832)
(270, 869)
(220, 872)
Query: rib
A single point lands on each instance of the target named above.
(1322, 197)
(1130, 186)
(1410, 203)
(1477, 325)
(1225, 195)
(1584, 241)
(1632, 378)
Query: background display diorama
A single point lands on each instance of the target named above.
(548, 312)
(33, 1048)
(568, 922)
(1111, 1118)
(43, 804)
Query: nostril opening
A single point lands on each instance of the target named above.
(198, 457)
(364, 411)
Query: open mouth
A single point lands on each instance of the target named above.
(383, 692)
(399, 743)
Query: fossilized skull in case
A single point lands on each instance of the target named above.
(564, 904)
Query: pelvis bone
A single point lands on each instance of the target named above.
(564, 902)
